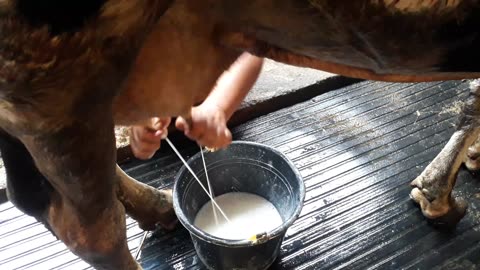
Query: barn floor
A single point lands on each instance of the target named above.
(357, 148)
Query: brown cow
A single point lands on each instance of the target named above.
(70, 70)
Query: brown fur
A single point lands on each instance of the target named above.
(57, 95)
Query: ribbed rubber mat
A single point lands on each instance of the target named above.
(357, 149)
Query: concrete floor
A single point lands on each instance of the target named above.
(277, 78)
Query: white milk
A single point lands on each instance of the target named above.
(249, 215)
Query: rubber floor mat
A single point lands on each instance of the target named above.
(357, 148)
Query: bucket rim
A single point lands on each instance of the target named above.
(277, 232)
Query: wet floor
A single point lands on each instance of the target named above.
(357, 148)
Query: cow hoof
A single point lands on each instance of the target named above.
(472, 159)
(453, 216)
(163, 214)
(441, 213)
(168, 223)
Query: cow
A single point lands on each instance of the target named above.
(71, 70)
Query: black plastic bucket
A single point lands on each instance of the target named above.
(242, 167)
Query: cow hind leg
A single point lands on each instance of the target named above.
(83, 210)
(27, 188)
(432, 190)
(101, 242)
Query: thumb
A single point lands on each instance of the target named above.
(182, 124)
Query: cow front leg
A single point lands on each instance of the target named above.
(433, 188)
(146, 204)
(84, 212)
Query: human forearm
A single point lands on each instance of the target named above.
(234, 85)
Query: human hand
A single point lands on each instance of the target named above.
(145, 139)
(207, 126)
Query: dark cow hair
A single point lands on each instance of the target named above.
(59, 15)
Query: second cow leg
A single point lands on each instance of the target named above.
(433, 188)
(145, 204)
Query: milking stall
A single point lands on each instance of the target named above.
(344, 152)
(239, 135)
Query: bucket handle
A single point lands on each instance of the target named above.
(259, 238)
